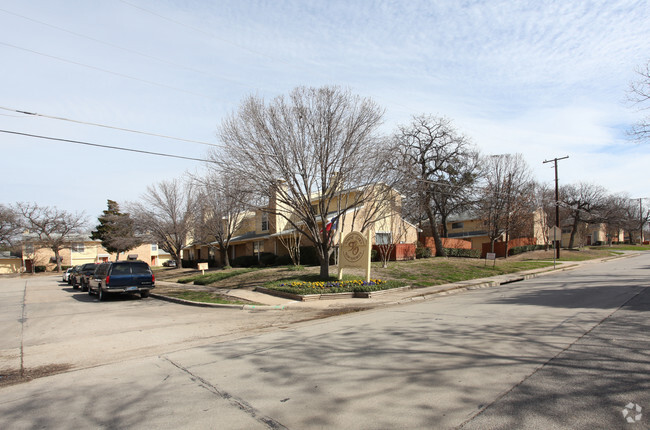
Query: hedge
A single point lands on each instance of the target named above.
(526, 248)
(466, 253)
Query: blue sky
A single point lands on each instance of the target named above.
(543, 78)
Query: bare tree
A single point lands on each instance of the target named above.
(291, 241)
(116, 230)
(394, 230)
(440, 168)
(166, 213)
(639, 95)
(10, 226)
(585, 202)
(301, 151)
(50, 227)
(506, 202)
(224, 201)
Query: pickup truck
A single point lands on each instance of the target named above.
(122, 277)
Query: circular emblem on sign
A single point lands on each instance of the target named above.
(354, 247)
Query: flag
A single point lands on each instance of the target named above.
(332, 224)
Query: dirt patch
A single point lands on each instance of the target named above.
(15, 377)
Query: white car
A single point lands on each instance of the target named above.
(66, 275)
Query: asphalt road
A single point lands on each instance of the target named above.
(569, 350)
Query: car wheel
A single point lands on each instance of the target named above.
(75, 285)
(100, 294)
(144, 294)
(90, 290)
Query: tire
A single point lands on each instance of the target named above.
(100, 294)
(75, 285)
(144, 294)
(90, 290)
(84, 286)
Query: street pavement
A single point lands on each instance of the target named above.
(567, 350)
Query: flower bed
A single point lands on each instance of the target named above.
(330, 287)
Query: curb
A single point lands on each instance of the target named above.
(215, 305)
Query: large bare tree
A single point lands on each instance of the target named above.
(166, 213)
(639, 95)
(301, 151)
(440, 167)
(10, 226)
(506, 203)
(223, 205)
(585, 203)
(50, 227)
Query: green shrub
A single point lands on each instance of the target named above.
(422, 252)
(466, 253)
(245, 261)
(309, 256)
(267, 258)
(526, 248)
(283, 260)
(38, 269)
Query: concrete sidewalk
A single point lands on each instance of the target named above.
(378, 298)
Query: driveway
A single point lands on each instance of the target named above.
(46, 326)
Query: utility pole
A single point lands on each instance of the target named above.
(557, 203)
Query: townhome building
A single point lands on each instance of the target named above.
(272, 228)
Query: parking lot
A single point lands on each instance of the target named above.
(47, 326)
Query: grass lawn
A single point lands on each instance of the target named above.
(416, 273)
(203, 297)
(624, 247)
(213, 277)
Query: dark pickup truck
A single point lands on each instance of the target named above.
(122, 277)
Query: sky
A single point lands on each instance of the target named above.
(545, 79)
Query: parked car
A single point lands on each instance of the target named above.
(169, 263)
(72, 278)
(85, 273)
(123, 277)
(66, 275)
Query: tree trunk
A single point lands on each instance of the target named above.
(58, 260)
(325, 269)
(324, 257)
(440, 252)
(224, 256)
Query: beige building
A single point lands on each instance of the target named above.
(82, 249)
(9, 263)
(266, 230)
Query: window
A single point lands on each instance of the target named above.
(265, 221)
(78, 247)
(383, 238)
(154, 247)
(258, 247)
(456, 225)
(139, 268)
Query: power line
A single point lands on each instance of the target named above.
(106, 146)
(122, 75)
(182, 24)
(106, 126)
(132, 51)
